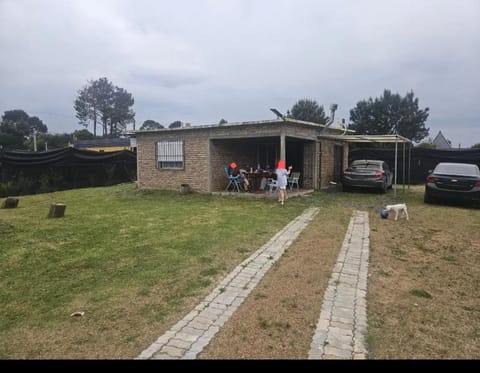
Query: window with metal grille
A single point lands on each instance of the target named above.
(170, 155)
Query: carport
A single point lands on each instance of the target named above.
(379, 139)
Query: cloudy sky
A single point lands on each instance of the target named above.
(202, 60)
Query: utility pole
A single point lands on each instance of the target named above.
(34, 139)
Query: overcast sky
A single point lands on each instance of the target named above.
(199, 61)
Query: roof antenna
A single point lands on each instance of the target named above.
(344, 126)
(333, 108)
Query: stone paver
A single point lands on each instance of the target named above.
(188, 337)
(341, 328)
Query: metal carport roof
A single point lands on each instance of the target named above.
(367, 138)
(378, 139)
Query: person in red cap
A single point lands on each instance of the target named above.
(282, 180)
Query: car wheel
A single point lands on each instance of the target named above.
(384, 187)
(346, 188)
(427, 198)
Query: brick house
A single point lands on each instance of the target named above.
(197, 155)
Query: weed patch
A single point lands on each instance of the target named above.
(420, 293)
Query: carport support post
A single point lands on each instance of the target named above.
(396, 163)
(403, 168)
(282, 147)
(409, 162)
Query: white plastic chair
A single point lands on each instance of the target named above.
(272, 184)
(293, 180)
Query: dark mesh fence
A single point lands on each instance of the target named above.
(68, 168)
(422, 159)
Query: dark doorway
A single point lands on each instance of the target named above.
(294, 155)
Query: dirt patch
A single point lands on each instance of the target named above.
(278, 319)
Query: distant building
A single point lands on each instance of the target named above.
(441, 142)
(106, 145)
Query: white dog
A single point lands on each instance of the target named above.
(400, 207)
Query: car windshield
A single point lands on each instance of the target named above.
(457, 169)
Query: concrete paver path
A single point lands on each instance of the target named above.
(187, 338)
(342, 325)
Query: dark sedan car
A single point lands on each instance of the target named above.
(453, 181)
(367, 174)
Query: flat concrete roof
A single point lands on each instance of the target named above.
(257, 122)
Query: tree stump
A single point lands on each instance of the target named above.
(10, 203)
(57, 210)
(184, 189)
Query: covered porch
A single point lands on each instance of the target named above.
(261, 154)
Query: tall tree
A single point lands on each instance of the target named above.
(150, 125)
(391, 113)
(103, 91)
(121, 114)
(60, 140)
(86, 108)
(101, 101)
(49, 141)
(176, 124)
(17, 128)
(82, 135)
(308, 110)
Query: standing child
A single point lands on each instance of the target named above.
(282, 180)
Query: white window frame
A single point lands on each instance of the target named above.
(170, 155)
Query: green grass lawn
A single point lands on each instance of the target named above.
(137, 261)
(131, 260)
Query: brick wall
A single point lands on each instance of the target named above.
(308, 164)
(345, 156)
(327, 161)
(195, 172)
(266, 130)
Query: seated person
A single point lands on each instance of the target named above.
(246, 182)
(234, 171)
